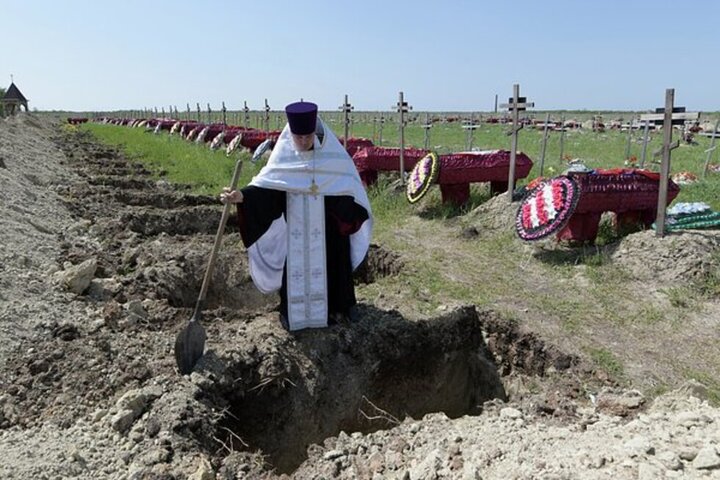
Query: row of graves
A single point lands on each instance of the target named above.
(568, 206)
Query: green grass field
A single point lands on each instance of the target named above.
(208, 171)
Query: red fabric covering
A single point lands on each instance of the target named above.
(386, 159)
(471, 167)
(632, 194)
(355, 144)
(580, 227)
(251, 139)
(630, 190)
(457, 193)
(457, 170)
(76, 121)
(231, 133)
(213, 131)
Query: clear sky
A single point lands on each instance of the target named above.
(451, 55)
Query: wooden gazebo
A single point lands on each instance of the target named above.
(13, 100)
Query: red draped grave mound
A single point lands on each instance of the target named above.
(632, 194)
(355, 144)
(457, 170)
(251, 139)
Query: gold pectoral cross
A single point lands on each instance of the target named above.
(314, 188)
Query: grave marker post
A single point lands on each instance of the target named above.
(515, 104)
(346, 108)
(646, 138)
(402, 108)
(427, 127)
(266, 123)
(562, 137)
(470, 132)
(711, 149)
(668, 117)
(543, 148)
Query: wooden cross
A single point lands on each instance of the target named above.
(515, 105)
(546, 129)
(224, 111)
(382, 122)
(469, 128)
(428, 125)
(628, 145)
(562, 138)
(711, 149)
(246, 111)
(646, 137)
(403, 108)
(267, 116)
(346, 108)
(667, 117)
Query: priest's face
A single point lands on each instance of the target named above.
(303, 143)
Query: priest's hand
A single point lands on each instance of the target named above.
(231, 196)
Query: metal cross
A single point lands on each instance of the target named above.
(314, 189)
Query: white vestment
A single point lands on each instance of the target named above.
(299, 237)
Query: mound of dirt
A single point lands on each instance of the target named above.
(496, 214)
(677, 257)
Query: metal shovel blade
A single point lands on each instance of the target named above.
(189, 346)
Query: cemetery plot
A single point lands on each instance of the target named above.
(92, 377)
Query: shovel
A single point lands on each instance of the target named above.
(190, 342)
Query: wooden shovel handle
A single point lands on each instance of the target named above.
(218, 242)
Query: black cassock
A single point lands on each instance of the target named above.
(343, 217)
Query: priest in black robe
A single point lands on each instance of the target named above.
(306, 222)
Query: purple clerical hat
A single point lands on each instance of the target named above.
(301, 117)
